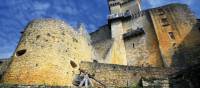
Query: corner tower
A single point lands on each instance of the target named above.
(49, 53)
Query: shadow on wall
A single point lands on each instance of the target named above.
(187, 78)
(188, 51)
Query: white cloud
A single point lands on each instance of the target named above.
(41, 6)
(70, 10)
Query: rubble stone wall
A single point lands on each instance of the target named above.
(49, 52)
(122, 76)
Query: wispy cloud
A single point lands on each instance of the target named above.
(41, 6)
(71, 11)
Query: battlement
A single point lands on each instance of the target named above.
(118, 2)
(125, 15)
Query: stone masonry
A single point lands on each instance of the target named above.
(49, 53)
(154, 48)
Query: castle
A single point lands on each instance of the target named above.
(136, 48)
(155, 37)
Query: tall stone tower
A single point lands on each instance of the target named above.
(177, 31)
(48, 53)
(134, 38)
(120, 10)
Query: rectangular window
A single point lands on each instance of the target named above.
(171, 35)
(160, 12)
(133, 45)
(164, 22)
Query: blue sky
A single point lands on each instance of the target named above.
(15, 14)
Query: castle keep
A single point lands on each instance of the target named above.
(166, 36)
(158, 47)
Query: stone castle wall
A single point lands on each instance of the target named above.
(102, 49)
(117, 53)
(3, 66)
(133, 23)
(156, 47)
(49, 52)
(177, 33)
(143, 50)
(103, 33)
(112, 75)
(101, 42)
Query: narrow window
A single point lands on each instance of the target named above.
(133, 45)
(174, 45)
(164, 22)
(171, 34)
(160, 12)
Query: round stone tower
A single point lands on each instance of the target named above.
(48, 53)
